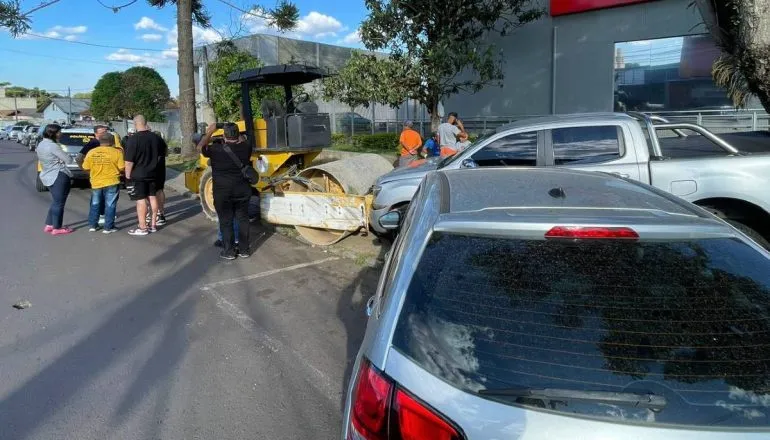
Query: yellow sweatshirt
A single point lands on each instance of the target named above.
(105, 164)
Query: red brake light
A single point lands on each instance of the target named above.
(592, 232)
(417, 422)
(369, 415)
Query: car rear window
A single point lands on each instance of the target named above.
(586, 145)
(74, 139)
(687, 320)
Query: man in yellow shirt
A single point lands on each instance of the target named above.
(104, 164)
(410, 141)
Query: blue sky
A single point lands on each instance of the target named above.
(142, 35)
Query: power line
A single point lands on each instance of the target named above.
(244, 11)
(115, 9)
(146, 49)
(64, 58)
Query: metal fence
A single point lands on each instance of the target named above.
(718, 121)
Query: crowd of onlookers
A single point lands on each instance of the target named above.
(449, 139)
(140, 159)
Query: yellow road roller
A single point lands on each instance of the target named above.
(326, 202)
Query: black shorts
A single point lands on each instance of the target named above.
(142, 189)
(160, 180)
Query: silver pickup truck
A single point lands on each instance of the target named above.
(728, 175)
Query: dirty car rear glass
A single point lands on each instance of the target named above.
(686, 320)
(75, 139)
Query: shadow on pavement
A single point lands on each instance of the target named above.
(168, 302)
(8, 166)
(351, 311)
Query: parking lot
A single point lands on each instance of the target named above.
(150, 337)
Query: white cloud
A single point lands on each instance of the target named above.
(52, 34)
(200, 36)
(166, 58)
(147, 23)
(312, 25)
(352, 38)
(71, 37)
(318, 25)
(151, 37)
(70, 30)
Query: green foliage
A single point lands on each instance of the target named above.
(445, 43)
(83, 95)
(199, 13)
(226, 96)
(145, 92)
(43, 97)
(339, 139)
(367, 78)
(12, 18)
(106, 99)
(138, 90)
(367, 143)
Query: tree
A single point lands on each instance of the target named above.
(83, 95)
(367, 78)
(741, 28)
(144, 92)
(138, 90)
(12, 18)
(106, 98)
(445, 43)
(284, 17)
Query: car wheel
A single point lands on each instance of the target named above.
(39, 184)
(206, 195)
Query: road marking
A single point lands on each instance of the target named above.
(266, 273)
(322, 381)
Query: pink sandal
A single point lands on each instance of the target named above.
(48, 229)
(62, 231)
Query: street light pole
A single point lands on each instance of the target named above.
(69, 115)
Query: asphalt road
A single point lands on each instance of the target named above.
(157, 338)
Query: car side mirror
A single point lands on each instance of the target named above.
(370, 305)
(469, 163)
(391, 220)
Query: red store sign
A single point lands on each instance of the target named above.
(563, 7)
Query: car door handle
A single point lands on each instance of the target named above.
(623, 175)
(370, 305)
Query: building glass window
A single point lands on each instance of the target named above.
(667, 74)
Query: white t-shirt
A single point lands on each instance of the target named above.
(447, 134)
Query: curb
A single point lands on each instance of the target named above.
(175, 181)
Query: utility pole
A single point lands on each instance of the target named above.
(15, 109)
(69, 116)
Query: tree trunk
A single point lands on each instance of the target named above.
(186, 71)
(435, 118)
(742, 28)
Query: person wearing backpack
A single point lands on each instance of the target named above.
(230, 163)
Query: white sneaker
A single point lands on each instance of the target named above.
(109, 231)
(101, 220)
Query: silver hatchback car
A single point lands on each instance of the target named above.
(536, 304)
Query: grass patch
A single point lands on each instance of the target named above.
(177, 162)
(357, 149)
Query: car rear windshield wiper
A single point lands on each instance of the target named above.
(640, 400)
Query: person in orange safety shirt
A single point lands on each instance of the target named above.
(411, 142)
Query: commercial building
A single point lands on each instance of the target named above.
(603, 55)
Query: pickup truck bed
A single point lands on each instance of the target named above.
(697, 146)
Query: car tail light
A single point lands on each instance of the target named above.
(418, 422)
(382, 411)
(371, 397)
(588, 232)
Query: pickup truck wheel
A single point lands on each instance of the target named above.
(751, 233)
(39, 184)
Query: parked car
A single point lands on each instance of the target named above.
(16, 130)
(5, 132)
(344, 121)
(35, 138)
(562, 305)
(27, 133)
(73, 140)
(726, 174)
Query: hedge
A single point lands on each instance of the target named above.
(379, 142)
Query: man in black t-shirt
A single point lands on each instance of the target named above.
(232, 191)
(141, 153)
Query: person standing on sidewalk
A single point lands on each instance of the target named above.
(99, 129)
(56, 176)
(410, 141)
(141, 156)
(104, 164)
(160, 182)
(232, 191)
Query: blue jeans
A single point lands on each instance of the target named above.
(106, 197)
(59, 192)
(235, 231)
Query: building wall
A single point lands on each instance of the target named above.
(8, 104)
(564, 64)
